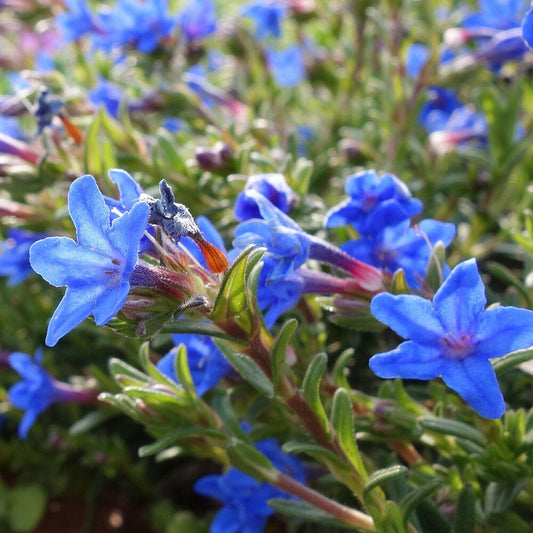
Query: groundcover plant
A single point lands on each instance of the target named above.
(266, 266)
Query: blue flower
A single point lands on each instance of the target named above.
(402, 246)
(375, 201)
(15, 255)
(97, 268)
(453, 337)
(198, 20)
(497, 14)
(107, 94)
(271, 186)
(206, 362)
(11, 126)
(287, 66)
(78, 21)
(142, 25)
(450, 123)
(245, 507)
(38, 390)
(267, 17)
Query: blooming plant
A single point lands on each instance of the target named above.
(280, 256)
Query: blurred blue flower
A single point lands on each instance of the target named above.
(497, 14)
(206, 362)
(172, 124)
(375, 201)
(38, 390)
(15, 255)
(142, 25)
(245, 508)
(198, 19)
(97, 268)
(78, 21)
(267, 17)
(450, 123)
(402, 246)
(107, 94)
(272, 186)
(453, 337)
(287, 65)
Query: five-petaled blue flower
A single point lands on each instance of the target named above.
(453, 337)
(402, 246)
(206, 362)
(96, 269)
(15, 255)
(245, 507)
(375, 201)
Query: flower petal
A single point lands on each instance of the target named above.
(410, 316)
(408, 361)
(27, 422)
(89, 213)
(461, 299)
(503, 330)
(127, 186)
(474, 379)
(60, 261)
(110, 303)
(76, 306)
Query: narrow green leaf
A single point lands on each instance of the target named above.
(301, 510)
(175, 436)
(431, 519)
(248, 369)
(314, 450)
(380, 477)
(452, 427)
(199, 327)
(342, 422)
(409, 503)
(171, 152)
(513, 359)
(117, 366)
(91, 158)
(90, 422)
(222, 406)
(465, 511)
(339, 372)
(279, 350)
(251, 461)
(311, 388)
(181, 367)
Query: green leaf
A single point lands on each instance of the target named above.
(92, 158)
(279, 350)
(180, 434)
(301, 510)
(409, 503)
(465, 511)
(222, 406)
(90, 422)
(251, 461)
(431, 519)
(118, 367)
(339, 368)
(181, 367)
(25, 507)
(314, 450)
(380, 477)
(452, 427)
(311, 388)
(500, 496)
(503, 364)
(199, 327)
(342, 422)
(248, 369)
(235, 302)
